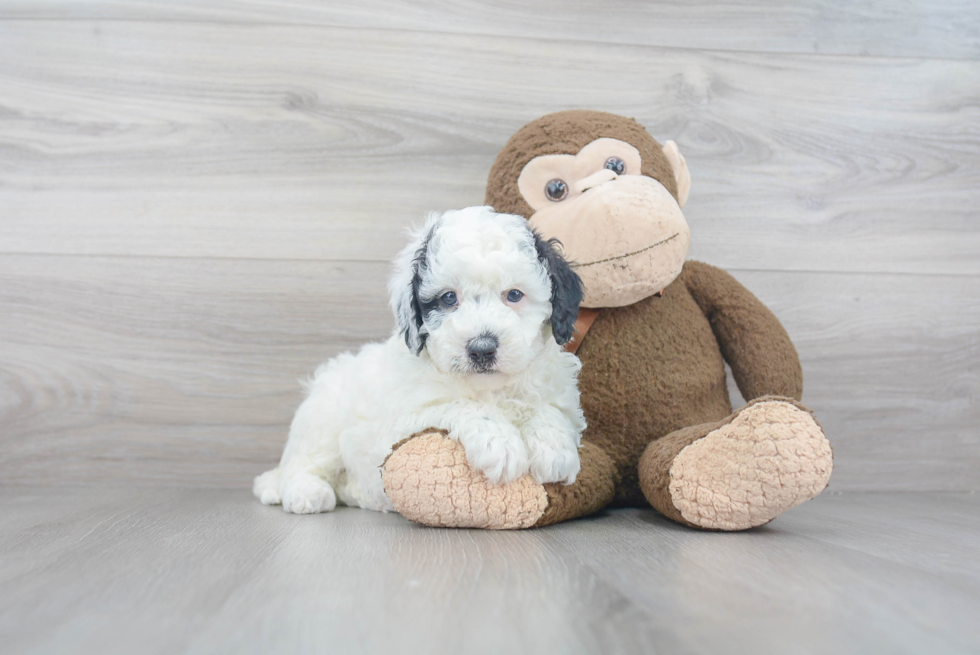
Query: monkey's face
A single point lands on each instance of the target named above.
(623, 230)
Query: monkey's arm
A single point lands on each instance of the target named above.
(753, 342)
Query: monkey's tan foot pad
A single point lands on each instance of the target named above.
(429, 481)
(770, 457)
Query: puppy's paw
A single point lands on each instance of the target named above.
(550, 462)
(304, 493)
(495, 449)
(266, 488)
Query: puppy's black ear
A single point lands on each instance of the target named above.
(404, 286)
(566, 288)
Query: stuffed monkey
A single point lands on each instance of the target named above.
(653, 335)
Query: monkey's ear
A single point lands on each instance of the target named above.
(404, 286)
(566, 288)
(681, 174)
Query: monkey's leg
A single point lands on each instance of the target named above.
(741, 472)
(427, 479)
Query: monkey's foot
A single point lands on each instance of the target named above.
(428, 480)
(742, 472)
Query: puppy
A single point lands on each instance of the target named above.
(482, 305)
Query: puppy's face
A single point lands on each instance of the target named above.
(480, 293)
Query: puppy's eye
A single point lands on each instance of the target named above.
(448, 299)
(556, 190)
(616, 165)
(514, 295)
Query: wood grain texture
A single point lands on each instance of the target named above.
(872, 27)
(289, 141)
(121, 570)
(185, 371)
(168, 370)
(198, 201)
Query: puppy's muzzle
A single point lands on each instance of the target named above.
(482, 352)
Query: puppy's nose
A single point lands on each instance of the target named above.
(483, 349)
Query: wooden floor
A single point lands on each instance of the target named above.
(121, 570)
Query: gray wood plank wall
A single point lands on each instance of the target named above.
(198, 201)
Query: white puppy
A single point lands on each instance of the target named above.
(482, 305)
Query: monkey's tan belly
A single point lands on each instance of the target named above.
(648, 369)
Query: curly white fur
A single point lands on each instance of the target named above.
(518, 414)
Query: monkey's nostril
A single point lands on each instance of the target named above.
(594, 180)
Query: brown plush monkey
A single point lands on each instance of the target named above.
(661, 430)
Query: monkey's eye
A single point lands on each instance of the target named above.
(448, 299)
(556, 190)
(616, 165)
(514, 295)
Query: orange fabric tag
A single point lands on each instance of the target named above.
(586, 317)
